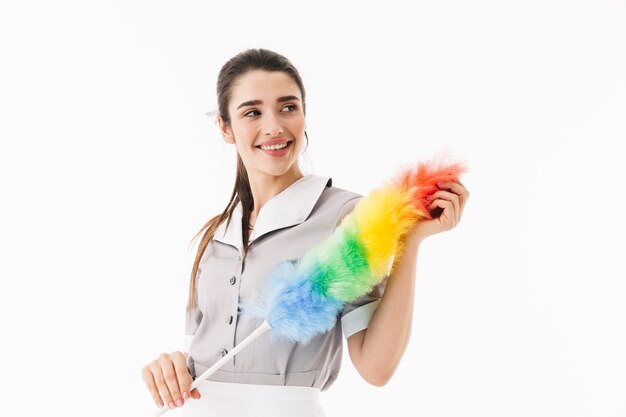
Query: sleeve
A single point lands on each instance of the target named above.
(192, 322)
(356, 315)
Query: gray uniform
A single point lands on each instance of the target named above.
(288, 225)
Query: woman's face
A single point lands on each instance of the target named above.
(266, 108)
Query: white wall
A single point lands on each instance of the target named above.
(109, 166)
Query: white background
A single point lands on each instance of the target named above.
(109, 166)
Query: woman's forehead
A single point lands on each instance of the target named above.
(263, 85)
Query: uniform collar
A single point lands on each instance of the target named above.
(287, 208)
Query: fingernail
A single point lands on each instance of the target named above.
(172, 406)
(186, 395)
(179, 402)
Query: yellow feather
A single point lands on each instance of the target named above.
(382, 219)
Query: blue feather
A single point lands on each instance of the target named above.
(292, 305)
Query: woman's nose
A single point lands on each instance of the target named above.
(272, 125)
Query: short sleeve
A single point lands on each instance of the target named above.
(356, 315)
(192, 322)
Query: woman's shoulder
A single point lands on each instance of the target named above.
(338, 198)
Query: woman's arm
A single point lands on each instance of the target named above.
(377, 350)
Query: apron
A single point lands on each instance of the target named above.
(226, 399)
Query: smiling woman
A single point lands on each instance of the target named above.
(262, 109)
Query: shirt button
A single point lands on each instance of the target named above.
(233, 280)
(224, 352)
(230, 320)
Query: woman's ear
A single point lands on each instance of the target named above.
(226, 131)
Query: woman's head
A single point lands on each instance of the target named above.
(261, 100)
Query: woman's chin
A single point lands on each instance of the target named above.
(276, 169)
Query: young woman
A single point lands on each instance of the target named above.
(277, 213)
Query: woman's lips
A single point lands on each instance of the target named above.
(278, 152)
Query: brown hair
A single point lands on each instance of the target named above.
(232, 70)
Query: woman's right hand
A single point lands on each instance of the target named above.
(169, 380)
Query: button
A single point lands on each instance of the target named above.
(224, 352)
(230, 321)
(233, 280)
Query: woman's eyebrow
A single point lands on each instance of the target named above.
(257, 102)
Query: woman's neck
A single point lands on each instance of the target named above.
(264, 187)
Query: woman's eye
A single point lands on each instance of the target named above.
(251, 111)
(293, 108)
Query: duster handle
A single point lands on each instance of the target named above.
(263, 328)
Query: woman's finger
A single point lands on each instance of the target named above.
(459, 189)
(148, 378)
(169, 375)
(161, 385)
(447, 217)
(195, 394)
(450, 196)
(182, 374)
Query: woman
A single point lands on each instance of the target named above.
(276, 213)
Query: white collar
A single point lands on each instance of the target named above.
(287, 208)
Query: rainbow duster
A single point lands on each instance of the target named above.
(303, 298)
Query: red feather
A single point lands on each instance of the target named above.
(421, 181)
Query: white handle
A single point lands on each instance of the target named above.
(264, 327)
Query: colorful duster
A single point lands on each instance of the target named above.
(303, 298)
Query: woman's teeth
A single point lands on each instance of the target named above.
(274, 147)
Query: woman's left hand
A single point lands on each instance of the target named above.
(451, 197)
